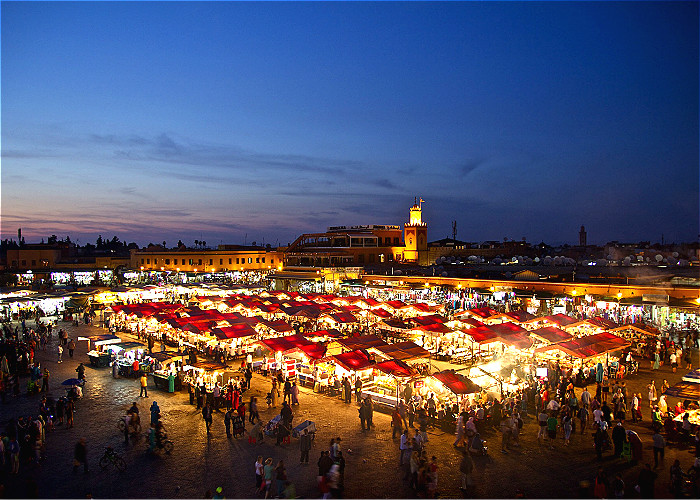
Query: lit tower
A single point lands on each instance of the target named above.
(415, 236)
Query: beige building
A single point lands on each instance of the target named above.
(192, 260)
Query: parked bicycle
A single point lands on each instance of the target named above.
(111, 457)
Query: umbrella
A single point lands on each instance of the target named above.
(72, 381)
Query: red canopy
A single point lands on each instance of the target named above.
(560, 319)
(395, 367)
(353, 360)
(589, 346)
(551, 334)
(238, 330)
(520, 316)
(482, 334)
(483, 312)
(456, 382)
(331, 332)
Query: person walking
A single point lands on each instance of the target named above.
(304, 446)
(358, 388)
(228, 416)
(268, 473)
(207, 414)
(71, 347)
(659, 446)
(295, 394)
(405, 448)
(80, 456)
(396, 423)
(59, 349)
(259, 472)
(45, 381)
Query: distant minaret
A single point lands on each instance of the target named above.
(582, 237)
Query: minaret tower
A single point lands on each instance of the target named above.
(415, 235)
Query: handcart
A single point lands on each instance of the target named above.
(269, 428)
(310, 427)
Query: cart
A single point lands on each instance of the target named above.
(309, 425)
(269, 428)
(237, 426)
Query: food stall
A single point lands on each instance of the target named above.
(204, 372)
(99, 357)
(449, 387)
(125, 354)
(387, 380)
(166, 372)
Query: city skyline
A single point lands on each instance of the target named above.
(238, 122)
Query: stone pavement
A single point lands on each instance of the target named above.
(200, 463)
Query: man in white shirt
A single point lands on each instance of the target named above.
(585, 397)
(404, 447)
(553, 407)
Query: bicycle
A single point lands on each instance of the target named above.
(135, 428)
(110, 456)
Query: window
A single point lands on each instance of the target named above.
(361, 259)
(167, 262)
(33, 262)
(142, 261)
(237, 260)
(272, 261)
(263, 260)
(257, 260)
(229, 261)
(211, 262)
(148, 261)
(250, 260)
(221, 261)
(190, 262)
(387, 241)
(200, 262)
(24, 263)
(396, 241)
(155, 261)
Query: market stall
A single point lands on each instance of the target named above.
(98, 355)
(206, 373)
(166, 369)
(387, 380)
(449, 387)
(125, 355)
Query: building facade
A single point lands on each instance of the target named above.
(206, 261)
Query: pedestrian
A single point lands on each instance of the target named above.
(295, 394)
(404, 448)
(552, 426)
(253, 410)
(600, 486)
(268, 473)
(619, 436)
(155, 413)
(362, 411)
(645, 482)
(144, 385)
(396, 423)
(45, 381)
(207, 414)
(304, 446)
(259, 472)
(80, 371)
(287, 391)
(60, 353)
(69, 409)
(71, 347)
(80, 456)
(466, 467)
(281, 477)
(228, 416)
(248, 375)
(505, 434)
(652, 393)
(659, 446)
(358, 388)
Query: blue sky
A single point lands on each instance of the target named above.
(234, 122)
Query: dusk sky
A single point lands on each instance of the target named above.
(238, 122)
